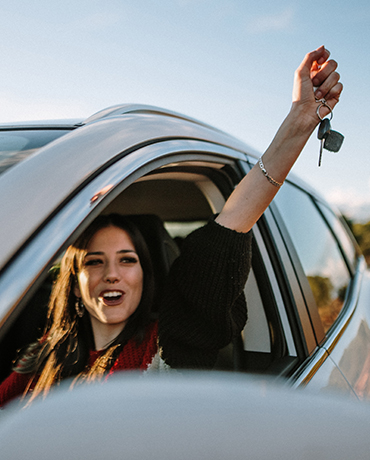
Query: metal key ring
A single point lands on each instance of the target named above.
(324, 104)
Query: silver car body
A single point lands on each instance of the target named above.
(125, 158)
(192, 416)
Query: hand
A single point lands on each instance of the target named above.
(316, 70)
(254, 193)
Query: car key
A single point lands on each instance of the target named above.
(333, 141)
(322, 134)
(329, 139)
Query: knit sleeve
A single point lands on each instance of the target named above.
(204, 304)
(13, 386)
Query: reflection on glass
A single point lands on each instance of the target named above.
(341, 233)
(17, 145)
(318, 251)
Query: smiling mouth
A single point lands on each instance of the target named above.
(111, 297)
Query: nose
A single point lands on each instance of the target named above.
(111, 275)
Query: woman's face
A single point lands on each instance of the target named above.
(110, 281)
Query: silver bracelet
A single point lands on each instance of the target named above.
(267, 175)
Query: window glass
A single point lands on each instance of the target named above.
(182, 229)
(317, 249)
(256, 334)
(342, 234)
(16, 145)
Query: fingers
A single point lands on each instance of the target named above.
(323, 72)
(323, 75)
(332, 97)
(327, 81)
(317, 78)
(313, 61)
(322, 55)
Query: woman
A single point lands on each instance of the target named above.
(99, 311)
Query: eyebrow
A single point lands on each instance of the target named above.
(101, 253)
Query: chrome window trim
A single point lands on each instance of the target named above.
(308, 369)
(292, 351)
(19, 277)
(313, 365)
(348, 310)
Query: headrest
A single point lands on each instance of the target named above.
(163, 249)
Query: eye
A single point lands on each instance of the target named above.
(92, 262)
(129, 260)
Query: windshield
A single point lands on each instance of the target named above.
(16, 145)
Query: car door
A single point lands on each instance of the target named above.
(329, 271)
(135, 164)
(144, 164)
(149, 163)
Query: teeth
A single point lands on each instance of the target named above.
(112, 294)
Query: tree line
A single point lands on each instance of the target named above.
(362, 235)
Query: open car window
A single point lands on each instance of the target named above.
(182, 195)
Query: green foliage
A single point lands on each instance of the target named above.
(362, 235)
(321, 289)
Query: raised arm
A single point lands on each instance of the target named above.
(255, 192)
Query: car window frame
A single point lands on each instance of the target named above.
(18, 282)
(331, 337)
(88, 202)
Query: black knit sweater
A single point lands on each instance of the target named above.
(204, 306)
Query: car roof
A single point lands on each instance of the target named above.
(41, 124)
(38, 185)
(54, 173)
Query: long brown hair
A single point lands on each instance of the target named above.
(64, 350)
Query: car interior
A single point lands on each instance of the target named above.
(167, 204)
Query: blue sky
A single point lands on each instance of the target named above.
(229, 63)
